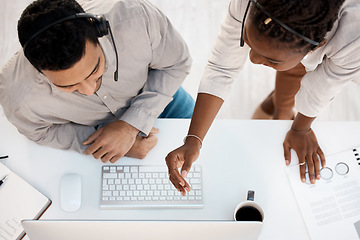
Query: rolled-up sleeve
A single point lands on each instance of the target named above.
(67, 136)
(227, 56)
(320, 86)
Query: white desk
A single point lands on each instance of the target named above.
(237, 155)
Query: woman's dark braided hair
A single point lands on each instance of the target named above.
(311, 18)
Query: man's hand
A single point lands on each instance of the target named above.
(143, 145)
(112, 141)
(307, 148)
(183, 157)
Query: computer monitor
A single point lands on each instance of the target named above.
(134, 230)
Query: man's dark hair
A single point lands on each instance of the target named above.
(311, 18)
(60, 46)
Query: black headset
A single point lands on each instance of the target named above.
(100, 23)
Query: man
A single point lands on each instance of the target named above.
(60, 90)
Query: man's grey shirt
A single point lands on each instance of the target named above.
(153, 62)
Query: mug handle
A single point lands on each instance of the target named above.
(251, 195)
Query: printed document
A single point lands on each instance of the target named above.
(331, 207)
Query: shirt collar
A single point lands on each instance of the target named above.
(108, 49)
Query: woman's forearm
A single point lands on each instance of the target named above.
(302, 123)
(206, 108)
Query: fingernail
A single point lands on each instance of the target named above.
(181, 183)
(187, 189)
(313, 181)
(303, 180)
(318, 177)
(287, 162)
(184, 173)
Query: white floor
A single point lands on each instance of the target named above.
(199, 22)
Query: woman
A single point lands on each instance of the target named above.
(290, 36)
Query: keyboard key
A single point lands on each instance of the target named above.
(106, 193)
(195, 180)
(197, 168)
(109, 175)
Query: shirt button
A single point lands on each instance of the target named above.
(105, 96)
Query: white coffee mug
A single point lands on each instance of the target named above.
(249, 210)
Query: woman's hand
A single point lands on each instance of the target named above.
(182, 157)
(302, 139)
(308, 151)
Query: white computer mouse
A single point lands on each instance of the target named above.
(70, 192)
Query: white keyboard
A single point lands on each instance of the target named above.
(147, 187)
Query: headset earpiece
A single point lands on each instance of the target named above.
(101, 25)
